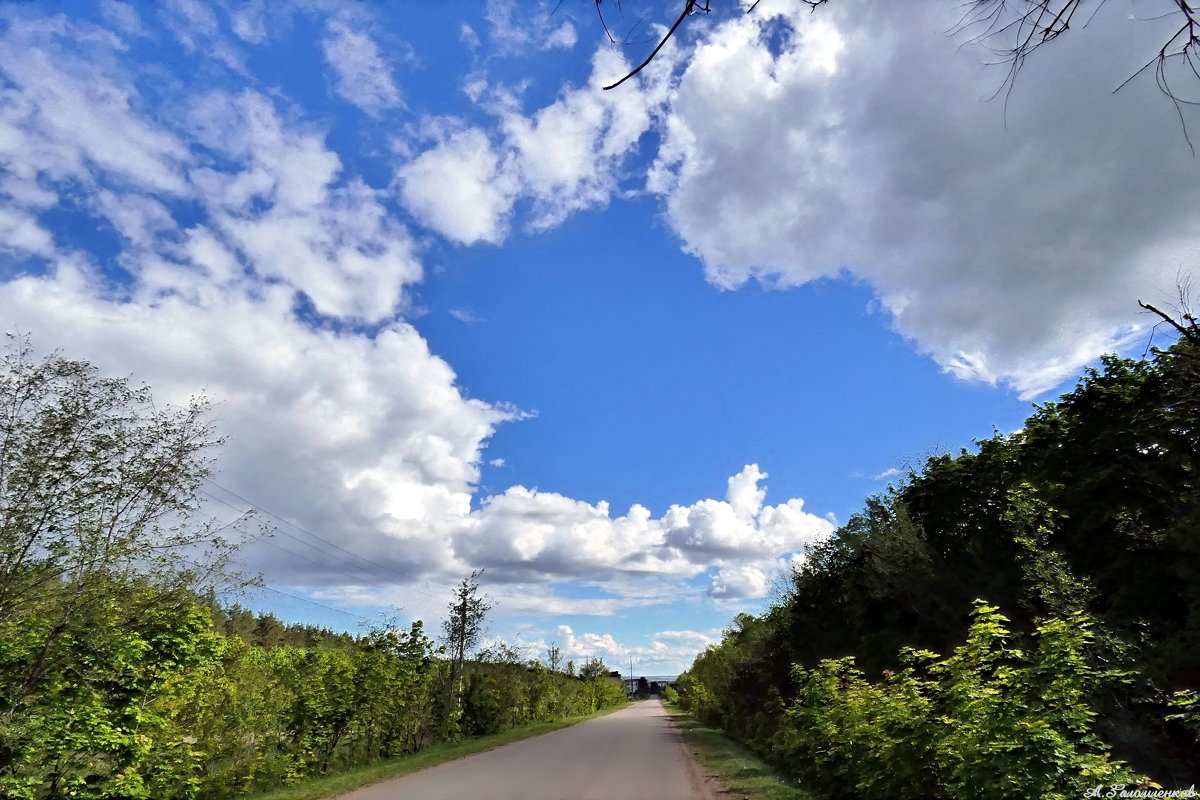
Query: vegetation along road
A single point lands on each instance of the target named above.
(634, 753)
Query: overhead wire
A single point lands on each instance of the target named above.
(276, 529)
(397, 579)
(275, 590)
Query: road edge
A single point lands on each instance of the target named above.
(331, 787)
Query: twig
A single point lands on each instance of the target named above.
(687, 9)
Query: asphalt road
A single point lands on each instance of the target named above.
(632, 754)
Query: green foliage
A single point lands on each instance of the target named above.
(1083, 523)
(993, 720)
(120, 674)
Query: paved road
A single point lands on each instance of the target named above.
(632, 754)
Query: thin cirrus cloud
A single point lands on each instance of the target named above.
(363, 75)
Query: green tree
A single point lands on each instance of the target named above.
(101, 555)
(461, 630)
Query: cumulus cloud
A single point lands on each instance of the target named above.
(668, 650)
(526, 534)
(1009, 239)
(363, 75)
(565, 157)
(234, 225)
(288, 211)
(738, 582)
(460, 189)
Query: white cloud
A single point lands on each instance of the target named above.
(460, 189)
(666, 651)
(1008, 240)
(248, 19)
(468, 36)
(122, 15)
(738, 582)
(516, 28)
(565, 157)
(530, 535)
(21, 232)
(292, 217)
(63, 116)
(367, 440)
(224, 216)
(197, 28)
(564, 37)
(363, 75)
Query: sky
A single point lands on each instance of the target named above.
(630, 352)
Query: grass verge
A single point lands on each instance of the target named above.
(329, 786)
(746, 775)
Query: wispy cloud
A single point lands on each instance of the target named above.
(362, 75)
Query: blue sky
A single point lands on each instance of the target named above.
(628, 351)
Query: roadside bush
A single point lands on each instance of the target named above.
(992, 721)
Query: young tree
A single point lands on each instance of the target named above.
(554, 657)
(464, 625)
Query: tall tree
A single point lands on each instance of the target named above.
(98, 488)
(100, 557)
(463, 625)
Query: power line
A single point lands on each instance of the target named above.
(359, 617)
(356, 578)
(397, 580)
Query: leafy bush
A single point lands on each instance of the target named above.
(991, 721)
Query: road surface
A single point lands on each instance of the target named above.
(632, 754)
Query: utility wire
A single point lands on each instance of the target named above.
(394, 580)
(276, 529)
(359, 617)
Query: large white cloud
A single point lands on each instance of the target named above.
(226, 213)
(1009, 238)
(526, 534)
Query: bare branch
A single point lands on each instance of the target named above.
(687, 10)
(1190, 333)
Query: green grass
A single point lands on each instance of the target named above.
(355, 777)
(746, 775)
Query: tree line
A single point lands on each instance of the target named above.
(1021, 619)
(121, 676)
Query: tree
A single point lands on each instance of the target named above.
(593, 669)
(98, 489)
(553, 657)
(464, 625)
(100, 560)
